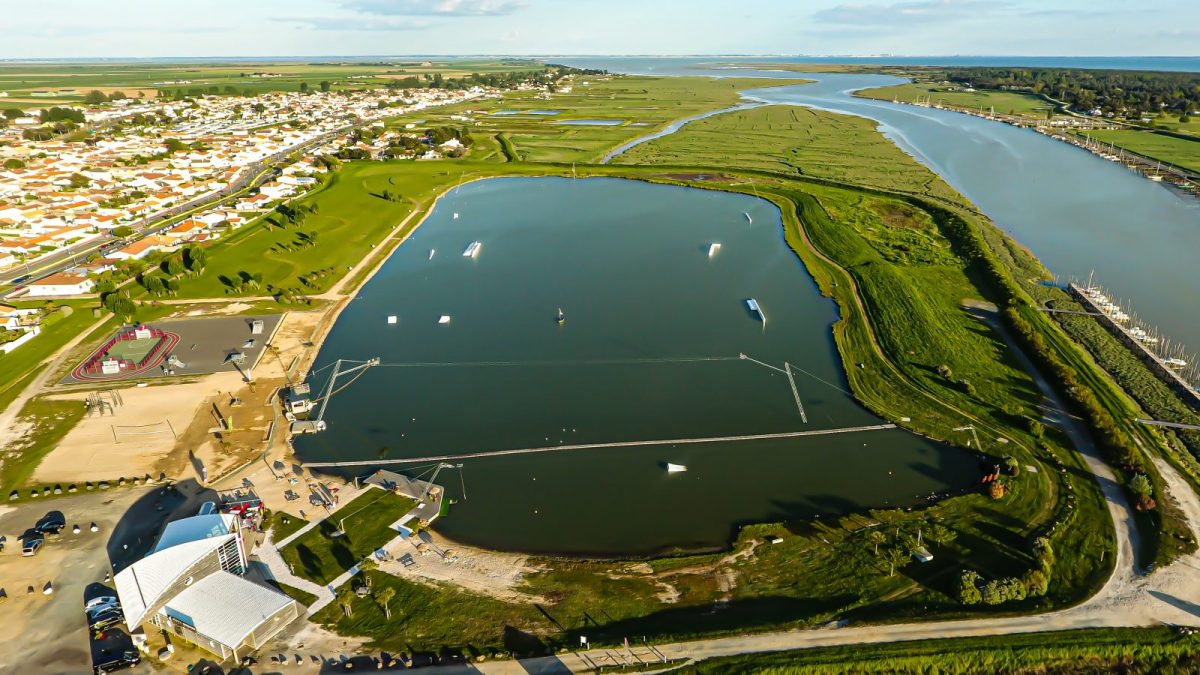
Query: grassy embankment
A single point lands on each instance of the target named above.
(320, 556)
(828, 569)
(1126, 650)
(1002, 102)
(1181, 152)
(791, 141)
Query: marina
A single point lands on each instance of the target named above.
(1173, 369)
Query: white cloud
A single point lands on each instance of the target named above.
(906, 13)
(434, 7)
(361, 23)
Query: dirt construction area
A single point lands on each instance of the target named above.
(202, 427)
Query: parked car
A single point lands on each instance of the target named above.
(51, 523)
(31, 543)
(114, 662)
(105, 621)
(97, 610)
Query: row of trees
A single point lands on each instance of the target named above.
(1116, 91)
(974, 590)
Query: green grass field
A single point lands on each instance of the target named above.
(1003, 102)
(21, 80)
(133, 350)
(18, 367)
(645, 104)
(43, 423)
(320, 557)
(1124, 650)
(1178, 151)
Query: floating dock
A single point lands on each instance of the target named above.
(1139, 342)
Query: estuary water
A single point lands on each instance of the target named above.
(1077, 212)
(648, 349)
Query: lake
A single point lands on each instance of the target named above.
(648, 350)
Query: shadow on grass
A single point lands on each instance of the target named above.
(737, 615)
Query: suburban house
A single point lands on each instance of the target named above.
(63, 283)
(191, 586)
(141, 248)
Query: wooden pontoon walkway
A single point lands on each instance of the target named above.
(594, 446)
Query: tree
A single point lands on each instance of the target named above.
(1013, 466)
(384, 596)
(345, 600)
(940, 534)
(895, 556)
(996, 490)
(877, 538)
(173, 266)
(365, 568)
(1184, 118)
(303, 86)
(95, 97)
(117, 96)
(122, 231)
(1143, 489)
(968, 588)
(79, 180)
(324, 85)
(13, 163)
(175, 145)
(1037, 429)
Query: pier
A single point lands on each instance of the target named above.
(598, 446)
(1176, 381)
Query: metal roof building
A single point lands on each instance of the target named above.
(191, 586)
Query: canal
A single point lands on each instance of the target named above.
(648, 349)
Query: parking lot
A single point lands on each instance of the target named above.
(47, 633)
(205, 345)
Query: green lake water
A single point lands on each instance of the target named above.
(648, 350)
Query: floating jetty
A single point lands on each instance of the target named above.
(752, 304)
(472, 251)
(1165, 361)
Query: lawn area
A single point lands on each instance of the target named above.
(1003, 102)
(18, 367)
(1170, 149)
(282, 525)
(320, 557)
(1126, 650)
(303, 597)
(42, 424)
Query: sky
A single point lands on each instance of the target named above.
(159, 28)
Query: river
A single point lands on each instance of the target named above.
(649, 350)
(1078, 213)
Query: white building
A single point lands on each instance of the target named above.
(63, 283)
(191, 586)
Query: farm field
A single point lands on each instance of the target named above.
(45, 84)
(1003, 102)
(641, 105)
(1178, 151)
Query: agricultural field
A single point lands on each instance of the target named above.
(1169, 149)
(46, 84)
(1003, 102)
(638, 106)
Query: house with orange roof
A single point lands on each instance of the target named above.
(63, 283)
(141, 248)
